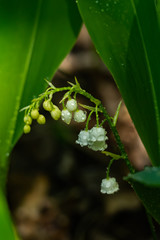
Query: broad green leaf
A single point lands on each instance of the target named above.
(6, 228)
(150, 176)
(126, 34)
(147, 185)
(35, 36)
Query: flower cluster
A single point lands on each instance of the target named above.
(34, 114)
(94, 138)
(55, 112)
(53, 109)
(71, 107)
(109, 186)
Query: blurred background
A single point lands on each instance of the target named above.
(54, 184)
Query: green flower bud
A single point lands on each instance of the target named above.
(27, 129)
(47, 105)
(34, 114)
(41, 119)
(55, 113)
(28, 120)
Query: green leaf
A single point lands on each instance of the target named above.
(6, 228)
(35, 36)
(147, 186)
(77, 83)
(150, 176)
(126, 34)
(117, 113)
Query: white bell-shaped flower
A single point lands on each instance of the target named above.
(97, 145)
(66, 116)
(71, 105)
(97, 134)
(97, 138)
(83, 138)
(80, 116)
(109, 186)
(94, 138)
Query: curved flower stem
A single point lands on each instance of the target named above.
(97, 119)
(102, 122)
(109, 166)
(117, 138)
(88, 119)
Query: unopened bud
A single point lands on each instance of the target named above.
(55, 113)
(41, 119)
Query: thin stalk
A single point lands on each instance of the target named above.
(117, 138)
(109, 166)
(150, 221)
(102, 122)
(88, 119)
(112, 155)
(97, 118)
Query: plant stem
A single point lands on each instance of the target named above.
(117, 138)
(109, 166)
(112, 127)
(97, 119)
(150, 221)
(88, 119)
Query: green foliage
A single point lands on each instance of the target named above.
(6, 228)
(147, 186)
(35, 37)
(149, 177)
(127, 35)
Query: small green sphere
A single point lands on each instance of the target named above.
(34, 114)
(27, 129)
(47, 105)
(41, 119)
(55, 113)
(28, 120)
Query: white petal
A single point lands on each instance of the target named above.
(80, 116)
(97, 146)
(66, 116)
(83, 138)
(109, 186)
(71, 105)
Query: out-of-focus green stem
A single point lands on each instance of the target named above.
(117, 138)
(150, 221)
